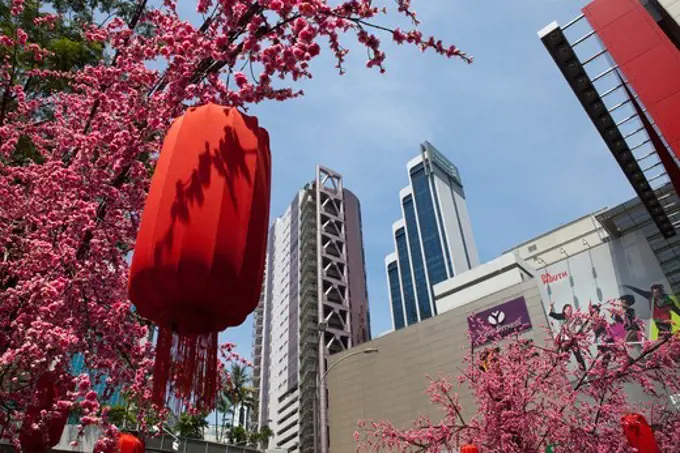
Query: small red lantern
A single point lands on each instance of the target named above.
(469, 449)
(129, 443)
(639, 434)
(199, 259)
(47, 393)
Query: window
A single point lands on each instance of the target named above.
(422, 290)
(432, 247)
(406, 280)
(395, 295)
(444, 238)
(532, 248)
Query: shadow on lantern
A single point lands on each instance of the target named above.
(192, 191)
(199, 260)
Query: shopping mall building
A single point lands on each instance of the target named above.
(602, 256)
(621, 60)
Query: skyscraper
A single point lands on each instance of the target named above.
(314, 302)
(433, 240)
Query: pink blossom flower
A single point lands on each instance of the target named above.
(22, 36)
(530, 396)
(69, 209)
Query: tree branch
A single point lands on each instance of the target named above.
(10, 82)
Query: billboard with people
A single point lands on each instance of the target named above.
(623, 270)
(665, 309)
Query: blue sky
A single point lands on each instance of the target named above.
(528, 155)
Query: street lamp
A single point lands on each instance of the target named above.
(363, 351)
(323, 438)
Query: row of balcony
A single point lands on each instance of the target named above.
(308, 228)
(308, 214)
(308, 359)
(309, 292)
(308, 322)
(308, 287)
(308, 367)
(308, 298)
(308, 266)
(307, 410)
(307, 443)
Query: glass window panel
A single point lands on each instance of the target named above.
(395, 295)
(422, 290)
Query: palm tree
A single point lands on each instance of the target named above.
(239, 389)
(248, 403)
(239, 393)
(224, 407)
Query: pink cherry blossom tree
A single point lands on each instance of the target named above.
(76, 159)
(532, 395)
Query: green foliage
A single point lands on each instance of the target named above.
(122, 416)
(67, 43)
(25, 153)
(128, 415)
(232, 402)
(191, 426)
(240, 392)
(72, 52)
(261, 438)
(254, 438)
(266, 432)
(224, 407)
(238, 435)
(66, 40)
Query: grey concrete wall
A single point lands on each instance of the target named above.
(161, 444)
(164, 444)
(358, 387)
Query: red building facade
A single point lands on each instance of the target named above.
(621, 58)
(646, 55)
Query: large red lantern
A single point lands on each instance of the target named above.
(35, 441)
(469, 449)
(639, 434)
(199, 259)
(129, 443)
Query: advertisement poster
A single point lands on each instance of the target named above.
(623, 269)
(499, 322)
(665, 310)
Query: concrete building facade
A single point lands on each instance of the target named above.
(314, 303)
(390, 385)
(566, 240)
(433, 240)
(601, 257)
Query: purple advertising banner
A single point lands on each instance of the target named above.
(499, 321)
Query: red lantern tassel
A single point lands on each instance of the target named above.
(188, 363)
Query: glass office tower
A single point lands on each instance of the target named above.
(433, 240)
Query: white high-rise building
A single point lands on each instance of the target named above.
(314, 302)
(433, 240)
